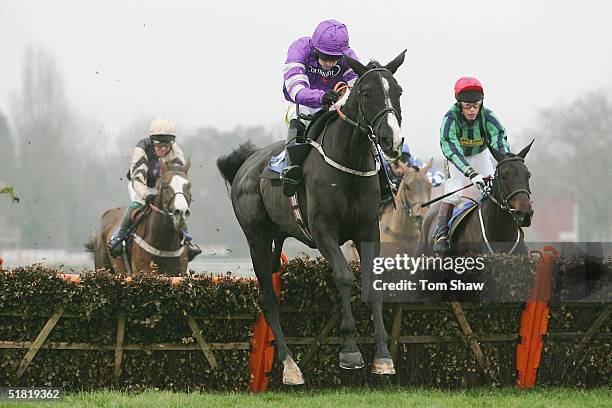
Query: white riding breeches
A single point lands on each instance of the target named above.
(133, 195)
(292, 112)
(482, 163)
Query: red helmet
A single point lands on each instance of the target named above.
(468, 89)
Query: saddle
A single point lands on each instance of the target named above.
(137, 217)
(461, 211)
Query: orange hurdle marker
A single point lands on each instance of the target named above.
(534, 320)
(261, 356)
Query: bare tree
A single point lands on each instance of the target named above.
(571, 158)
(43, 125)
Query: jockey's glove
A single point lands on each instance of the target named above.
(150, 198)
(329, 97)
(478, 181)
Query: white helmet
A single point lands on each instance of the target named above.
(162, 127)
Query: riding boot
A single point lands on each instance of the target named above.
(441, 244)
(291, 175)
(114, 244)
(193, 249)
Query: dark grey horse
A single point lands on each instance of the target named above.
(507, 209)
(338, 204)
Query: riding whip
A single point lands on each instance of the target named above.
(425, 204)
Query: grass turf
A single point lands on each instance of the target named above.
(392, 397)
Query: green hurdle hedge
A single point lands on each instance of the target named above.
(224, 308)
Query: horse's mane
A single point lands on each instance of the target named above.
(374, 64)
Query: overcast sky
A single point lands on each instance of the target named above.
(219, 63)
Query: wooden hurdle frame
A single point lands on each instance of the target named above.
(533, 330)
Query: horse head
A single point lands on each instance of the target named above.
(414, 189)
(174, 195)
(511, 184)
(376, 95)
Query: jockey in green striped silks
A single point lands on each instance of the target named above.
(464, 129)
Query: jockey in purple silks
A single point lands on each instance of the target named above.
(313, 67)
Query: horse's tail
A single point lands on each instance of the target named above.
(89, 245)
(228, 165)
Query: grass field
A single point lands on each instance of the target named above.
(394, 397)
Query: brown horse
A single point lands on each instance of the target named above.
(156, 245)
(401, 225)
(404, 222)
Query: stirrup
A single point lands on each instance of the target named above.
(291, 174)
(441, 241)
(116, 249)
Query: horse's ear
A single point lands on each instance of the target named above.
(497, 155)
(357, 66)
(395, 64)
(163, 167)
(427, 166)
(187, 166)
(525, 150)
(405, 168)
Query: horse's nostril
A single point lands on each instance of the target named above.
(177, 212)
(187, 214)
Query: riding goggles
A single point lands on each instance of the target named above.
(470, 105)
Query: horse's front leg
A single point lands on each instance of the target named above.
(382, 364)
(326, 240)
(261, 256)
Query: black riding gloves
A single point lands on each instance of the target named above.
(330, 97)
(150, 199)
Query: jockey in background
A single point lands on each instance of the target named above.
(462, 138)
(313, 67)
(143, 174)
(395, 172)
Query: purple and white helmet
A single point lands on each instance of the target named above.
(331, 38)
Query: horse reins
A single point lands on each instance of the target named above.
(505, 198)
(364, 129)
(140, 241)
(164, 209)
(406, 205)
(369, 124)
(504, 204)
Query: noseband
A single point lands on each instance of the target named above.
(164, 210)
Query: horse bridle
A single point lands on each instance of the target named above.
(365, 125)
(415, 219)
(164, 209)
(409, 205)
(505, 198)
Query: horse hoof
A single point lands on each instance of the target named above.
(351, 361)
(292, 375)
(383, 366)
